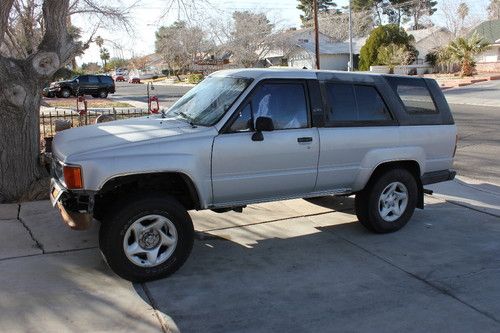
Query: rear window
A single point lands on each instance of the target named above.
(414, 94)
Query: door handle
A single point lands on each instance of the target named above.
(305, 139)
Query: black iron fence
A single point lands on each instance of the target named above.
(49, 119)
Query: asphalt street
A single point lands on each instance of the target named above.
(167, 94)
(476, 110)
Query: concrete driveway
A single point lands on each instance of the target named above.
(293, 266)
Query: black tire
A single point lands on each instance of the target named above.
(367, 201)
(114, 228)
(65, 93)
(103, 94)
(95, 95)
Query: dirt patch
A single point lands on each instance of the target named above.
(91, 103)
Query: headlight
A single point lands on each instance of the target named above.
(73, 177)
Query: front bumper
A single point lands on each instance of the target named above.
(76, 210)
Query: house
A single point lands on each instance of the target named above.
(289, 39)
(332, 55)
(428, 39)
(489, 61)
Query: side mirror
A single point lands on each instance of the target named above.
(262, 124)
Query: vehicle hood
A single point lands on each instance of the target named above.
(117, 134)
(62, 82)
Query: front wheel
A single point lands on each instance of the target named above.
(65, 93)
(147, 239)
(388, 202)
(103, 94)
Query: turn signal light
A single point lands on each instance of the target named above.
(73, 177)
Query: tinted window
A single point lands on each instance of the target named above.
(106, 79)
(370, 104)
(83, 79)
(342, 102)
(284, 103)
(414, 95)
(244, 121)
(355, 103)
(93, 79)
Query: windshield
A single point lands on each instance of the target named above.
(206, 103)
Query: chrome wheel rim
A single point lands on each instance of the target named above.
(393, 201)
(150, 240)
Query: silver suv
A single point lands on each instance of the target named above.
(247, 136)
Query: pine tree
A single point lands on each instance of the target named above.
(494, 9)
(306, 6)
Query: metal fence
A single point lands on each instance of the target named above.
(48, 119)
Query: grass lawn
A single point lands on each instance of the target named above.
(91, 103)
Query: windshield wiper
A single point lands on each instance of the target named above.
(189, 119)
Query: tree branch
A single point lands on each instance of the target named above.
(57, 46)
(5, 6)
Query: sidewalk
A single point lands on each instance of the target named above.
(296, 265)
(470, 193)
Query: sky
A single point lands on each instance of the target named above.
(148, 15)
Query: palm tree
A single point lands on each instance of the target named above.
(464, 50)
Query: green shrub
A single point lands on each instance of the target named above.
(393, 55)
(384, 36)
(194, 78)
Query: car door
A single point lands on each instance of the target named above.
(358, 123)
(283, 164)
(83, 84)
(94, 85)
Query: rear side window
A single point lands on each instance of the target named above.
(355, 103)
(342, 101)
(414, 94)
(106, 79)
(93, 79)
(371, 106)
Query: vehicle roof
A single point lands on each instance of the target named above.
(294, 73)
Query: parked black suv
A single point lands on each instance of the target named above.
(95, 85)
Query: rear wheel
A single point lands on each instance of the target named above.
(103, 94)
(388, 202)
(147, 239)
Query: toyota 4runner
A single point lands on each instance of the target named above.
(247, 136)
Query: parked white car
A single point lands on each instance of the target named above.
(247, 136)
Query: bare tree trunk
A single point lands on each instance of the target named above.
(21, 82)
(19, 131)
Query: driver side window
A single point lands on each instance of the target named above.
(284, 103)
(244, 121)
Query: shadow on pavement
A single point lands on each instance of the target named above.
(326, 273)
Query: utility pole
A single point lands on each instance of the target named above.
(350, 67)
(316, 32)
